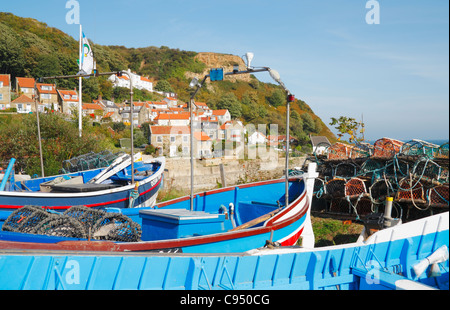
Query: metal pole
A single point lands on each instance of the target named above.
(191, 104)
(39, 128)
(287, 152)
(80, 88)
(131, 123)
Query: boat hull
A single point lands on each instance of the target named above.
(394, 251)
(107, 198)
(285, 226)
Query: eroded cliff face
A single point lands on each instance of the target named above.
(215, 60)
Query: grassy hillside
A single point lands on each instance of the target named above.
(32, 49)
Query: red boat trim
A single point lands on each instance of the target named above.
(90, 205)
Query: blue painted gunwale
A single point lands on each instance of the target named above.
(328, 268)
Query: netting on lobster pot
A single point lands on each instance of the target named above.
(345, 170)
(379, 190)
(61, 226)
(117, 227)
(438, 196)
(386, 148)
(418, 147)
(335, 188)
(25, 220)
(355, 187)
(410, 191)
(88, 217)
(339, 205)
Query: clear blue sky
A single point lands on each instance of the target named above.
(395, 73)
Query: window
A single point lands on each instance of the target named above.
(66, 97)
(19, 107)
(1, 84)
(46, 96)
(185, 138)
(159, 139)
(46, 87)
(1, 96)
(172, 139)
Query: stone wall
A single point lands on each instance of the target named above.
(207, 172)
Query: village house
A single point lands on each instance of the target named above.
(171, 102)
(24, 104)
(67, 100)
(320, 144)
(25, 86)
(169, 119)
(209, 125)
(202, 145)
(139, 82)
(125, 113)
(5, 91)
(232, 131)
(222, 115)
(173, 140)
(48, 96)
(94, 110)
(257, 138)
(158, 105)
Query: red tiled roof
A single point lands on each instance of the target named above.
(92, 106)
(219, 112)
(5, 79)
(23, 99)
(201, 136)
(53, 91)
(180, 116)
(169, 130)
(25, 82)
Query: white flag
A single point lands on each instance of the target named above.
(87, 57)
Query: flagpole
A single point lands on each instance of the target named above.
(80, 83)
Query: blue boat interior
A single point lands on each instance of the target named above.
(213, 213)
(123, 177)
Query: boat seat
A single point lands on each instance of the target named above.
(162, 224)
(82, 188)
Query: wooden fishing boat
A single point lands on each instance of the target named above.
(97, 188)
(232, 219)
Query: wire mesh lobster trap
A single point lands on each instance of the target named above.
(418, 147)
(335, 188)
(438, 196)
(339, 151)
(443, 151)
(345, 170)
(355, 188)
(410, 190)
(25, 220)
(386, 148)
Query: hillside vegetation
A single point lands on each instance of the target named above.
(30, 48)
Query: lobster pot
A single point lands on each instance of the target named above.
(345, 170)
(319, 187)
(406, 194)
(354, 188)
(419, 147)
(339, 151)
(335, 188)
(360, 152)
(371, 168)
(87, 217)
(386, 148)
(439, 196)
(26, 219)
(443, 151)
(363, 206)
(339, 205)
(427, 169)
(379, 190)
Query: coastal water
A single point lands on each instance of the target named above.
(434, 141)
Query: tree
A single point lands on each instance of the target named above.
(347, 125)
(308, 123)
(231, 103)
(164, 86)
(278, 98)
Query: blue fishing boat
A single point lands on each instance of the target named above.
(408, 256)
(97, 188)
(228, 220)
